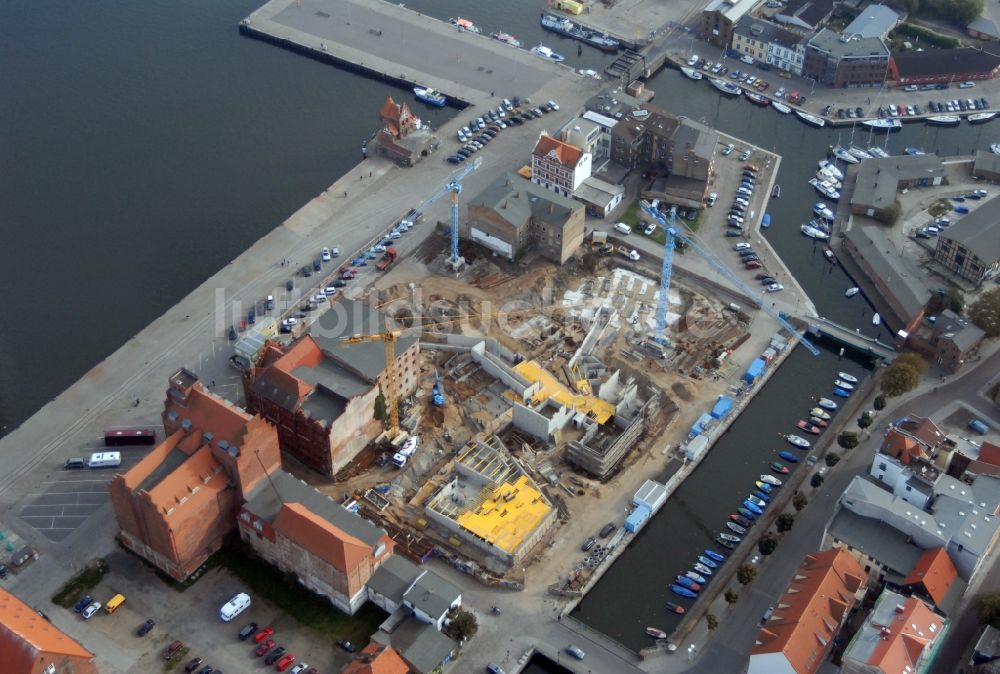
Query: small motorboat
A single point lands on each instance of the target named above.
(816, 421)
(826, 177)
(876, 320)
(689, 583)
(841, 393)
(788, 456)
(981, 117)
(683, 592)
(757, 501)
(859, 153)
(830, 257)
(727, 88)
(807, 427)
(851, 292)
(742, 521)
(766, 221)
(506, 38)
(878, 152)
(760, 496)
(772, 480)
(843, 155)
(655, 633)
(819, 413)
(430, 96)
(748, 514)
(674, 608)
(848, 377)
(696, 577)
(811, 120)
(757, 99)
(715, 555)
(820, 210)
(944, 120)
(779, 468)
(753, 507)
(798, 441)
(995, 148)
(763, 486)
(814, 233)
(776, 191)
(781, 107)
(847, 386)
(547, 54)
(883, 124)
(914, 151)
(730, 537)
(691, 73)
(726, 544)
(827, 404)
(465, 24)
(705, 570)
(827, 165)
(736, 529)
(710, 563)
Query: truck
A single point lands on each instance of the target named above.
(387, 259)
(248, 348)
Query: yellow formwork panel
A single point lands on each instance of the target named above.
(511, 513)
(553, 389)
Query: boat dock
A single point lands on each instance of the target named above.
(393, 43)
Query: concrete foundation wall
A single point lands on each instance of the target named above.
(499, 370)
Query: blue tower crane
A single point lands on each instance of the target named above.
(671, 234)
(453, 187)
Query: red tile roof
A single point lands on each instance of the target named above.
(568, 155)
(935, 571)
(29, 642)
(989, 453)
(807, 616)
(900, 446)
(899, 645)
(320, 537)
(377, 659)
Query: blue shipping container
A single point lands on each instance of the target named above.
(755, 370)
(722, 408)
(636, 519)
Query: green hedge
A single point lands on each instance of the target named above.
(927, 36)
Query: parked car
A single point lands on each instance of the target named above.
(274, 655)
(82, 604)
(575, 652)
(172, 650)
(145, 628)
(251, 628)
(263, 634)
(264, 647)
(193, 664)
(89, 612)
(346, 645)
(285, 662)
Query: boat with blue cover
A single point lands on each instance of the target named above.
(788, 456)
(715, 555)
(841, 393)
(689, 583)
(753, 507)
(683, 591)
(750, 515)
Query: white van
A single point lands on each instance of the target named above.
(104, 460)
(622, 228)
(234, 607)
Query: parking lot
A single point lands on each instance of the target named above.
(71, 496)
(191, 616)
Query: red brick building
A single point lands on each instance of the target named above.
(942, 65)
(176, 505)
(30, 644)
(332, 551)
(401, 136)
(320, 393)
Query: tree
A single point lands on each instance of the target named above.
(785, 522)
(879, 403)
(731, 597)
(864, 421)
(832, 459)
(816, 480)
(914, 360)
(962, 11)
(711, 621)
(381, 410)
(988, 610)
(847, 440)
(767, 544)
(890, 215)
(799, 501)
(899, 378)
(464, 625)
(952, 298)
(985, 312)
(746, 574)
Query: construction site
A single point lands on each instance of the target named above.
(538, 384)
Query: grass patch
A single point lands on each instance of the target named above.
(633, 216)
(283, 590)
(939, 208)
(80, 584)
